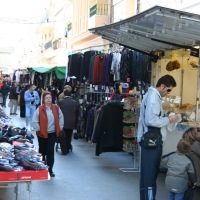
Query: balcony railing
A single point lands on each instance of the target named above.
(48, 45)
(100, 9)
(57, 44)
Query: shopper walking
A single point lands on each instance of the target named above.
(47, 121)
(70, 109)
(151, 117)
(180, 171)
(13, 96)
(22, 101)
(32, 99)
(5, 90)
(193, 136)
(61, 95)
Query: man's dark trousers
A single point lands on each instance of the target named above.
(150, 163)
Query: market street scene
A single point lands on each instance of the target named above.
(99, 100)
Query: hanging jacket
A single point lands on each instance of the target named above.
(109, 128)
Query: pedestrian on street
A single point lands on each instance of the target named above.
(180, 171)
(21, 100)
(61, 96)
(48, 121)
(5, 90)
(70, 110)
(32, 99)
(13, 96)
(193, 136)
(151, 117)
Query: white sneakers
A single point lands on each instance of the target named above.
(29, 128)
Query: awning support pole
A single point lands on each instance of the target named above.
(198, 87)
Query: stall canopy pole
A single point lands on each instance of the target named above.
(198, 87)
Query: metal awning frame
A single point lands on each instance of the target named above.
(156, 29)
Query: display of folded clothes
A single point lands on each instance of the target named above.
(17, 151)
(20, 156)
(129, 131)
(129, 117)
(12, 133)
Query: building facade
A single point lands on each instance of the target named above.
(66, 27)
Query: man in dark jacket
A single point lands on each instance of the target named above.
(70, 110)
(13, 99)
(4, 90)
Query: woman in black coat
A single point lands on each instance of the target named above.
(21, 101)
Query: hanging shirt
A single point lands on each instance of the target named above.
(115, 66)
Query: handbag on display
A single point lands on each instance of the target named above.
(152, 138)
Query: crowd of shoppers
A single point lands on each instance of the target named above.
(48, 119)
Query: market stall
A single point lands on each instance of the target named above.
(156, 32)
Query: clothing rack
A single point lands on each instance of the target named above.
(91, 48)
(98, 96)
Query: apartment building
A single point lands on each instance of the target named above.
(65, 29)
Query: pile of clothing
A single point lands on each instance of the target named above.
(10, 133)
(20, 156)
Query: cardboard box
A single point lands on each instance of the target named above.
(33, 175)
(8, 176)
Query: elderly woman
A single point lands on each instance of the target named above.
(48, 121)
(193, 136)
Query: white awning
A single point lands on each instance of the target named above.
(155, 30)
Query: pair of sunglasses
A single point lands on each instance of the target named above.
(168, 89)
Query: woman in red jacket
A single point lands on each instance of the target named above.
(48, 121)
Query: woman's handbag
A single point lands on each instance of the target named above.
(152, 138)
(62, 133)
(75, 134)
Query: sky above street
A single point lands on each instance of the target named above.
(14, 16)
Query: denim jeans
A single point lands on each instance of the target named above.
(175, 196)
(30, 109)
(4, 100)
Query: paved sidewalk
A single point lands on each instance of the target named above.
(81, 175)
